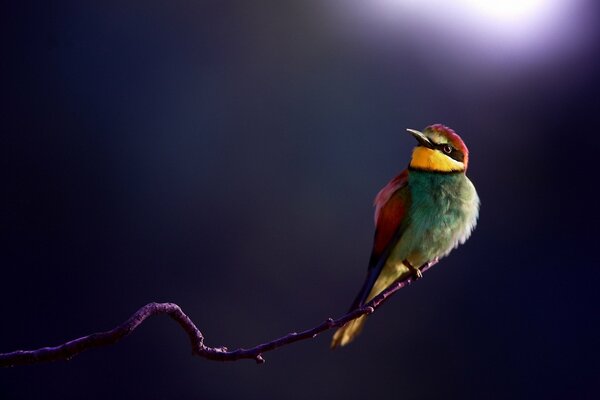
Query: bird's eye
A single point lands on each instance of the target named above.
(447, 149)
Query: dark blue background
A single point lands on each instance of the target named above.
(224, 156)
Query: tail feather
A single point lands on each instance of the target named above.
(348, 332)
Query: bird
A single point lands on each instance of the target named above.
(420, 216)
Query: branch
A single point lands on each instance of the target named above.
(70, 349)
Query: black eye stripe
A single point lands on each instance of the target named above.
(454, 154)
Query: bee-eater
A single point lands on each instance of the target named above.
(420, 216)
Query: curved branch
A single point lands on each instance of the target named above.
(70, 349)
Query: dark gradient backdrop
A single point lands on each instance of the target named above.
(224, 155)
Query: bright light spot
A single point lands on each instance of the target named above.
(508, 11)
(494, 29)
(503, 18)
(525, 20)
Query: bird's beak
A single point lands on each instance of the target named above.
(421, 138)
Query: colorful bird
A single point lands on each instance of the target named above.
(420, 216)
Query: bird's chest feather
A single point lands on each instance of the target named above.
(443, 212)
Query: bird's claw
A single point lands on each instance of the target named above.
(417, 274)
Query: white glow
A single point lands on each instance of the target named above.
(496, 29)
(525, 20)
(508, 11)
(502, 18)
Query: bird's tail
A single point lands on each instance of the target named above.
(376, 282)
(347, 332)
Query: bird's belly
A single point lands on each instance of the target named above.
(442, 214)
(438, 222)
(422, 243)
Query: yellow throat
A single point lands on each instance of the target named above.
(433, 160)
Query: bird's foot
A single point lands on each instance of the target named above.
(416, 272)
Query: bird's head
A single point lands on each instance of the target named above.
(440, 149)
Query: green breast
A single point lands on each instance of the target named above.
(443, 211)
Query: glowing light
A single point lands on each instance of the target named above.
(518, 19)
(508, 11)
(508, 18)
(503, 30)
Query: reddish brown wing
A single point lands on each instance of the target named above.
(390, 209)
(391, 205)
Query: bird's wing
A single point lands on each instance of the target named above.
(391, 205)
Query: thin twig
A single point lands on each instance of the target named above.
(70, 349)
